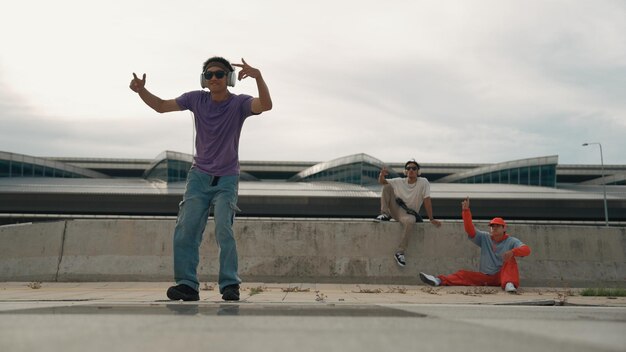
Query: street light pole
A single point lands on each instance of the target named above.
(606, 211)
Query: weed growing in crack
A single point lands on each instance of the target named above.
(401, 290)
(257, 290)
(430, 290)
(477, 291)
(367, 290)
(295, 289)
(35, 285)
(320, 297)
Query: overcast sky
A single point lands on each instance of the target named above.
(439, 81)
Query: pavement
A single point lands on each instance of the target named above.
(18, 293)
(136, 316)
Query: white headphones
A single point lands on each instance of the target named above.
(230, 79)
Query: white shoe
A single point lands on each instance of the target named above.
(382, 217)
(509, 287)
(400, 259)
(430, 280)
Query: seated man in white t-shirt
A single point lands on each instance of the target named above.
(401, 199)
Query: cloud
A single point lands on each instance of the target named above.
(486, 81)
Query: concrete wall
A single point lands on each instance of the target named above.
(303, 251)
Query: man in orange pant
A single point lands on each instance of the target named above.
(497, 257)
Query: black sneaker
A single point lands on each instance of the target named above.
(230, 293)
(400, 259)
(382, 217)
(184, 292)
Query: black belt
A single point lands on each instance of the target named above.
(408, 210)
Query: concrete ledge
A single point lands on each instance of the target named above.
(31, 251)
(272, 250)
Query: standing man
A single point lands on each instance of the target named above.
(401, 199)
(497, 257)
(214, 176)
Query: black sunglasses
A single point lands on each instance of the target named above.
(218, 74)
(414, 168)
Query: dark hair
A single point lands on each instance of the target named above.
(412, 161)
(219, 59)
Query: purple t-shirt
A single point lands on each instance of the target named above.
(218, 127)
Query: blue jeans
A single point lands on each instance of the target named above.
(192, 219)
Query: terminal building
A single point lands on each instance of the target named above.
(528, 190)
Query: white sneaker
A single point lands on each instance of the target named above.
(382, 217)
(400, 259)
(510, 288)
(430, 280)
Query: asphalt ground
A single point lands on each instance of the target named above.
(24, 292)
(136, 316)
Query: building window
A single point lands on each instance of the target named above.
(504, 176)
(16, 169)
(535, 175)
(523, 176)
(5, 168)
(548, 175)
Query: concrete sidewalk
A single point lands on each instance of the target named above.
(137, 316)
(28, 294)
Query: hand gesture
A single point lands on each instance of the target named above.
(465, 204)
(137, 84)
(247, 70)
(384, 172)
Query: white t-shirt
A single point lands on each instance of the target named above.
(412, 194)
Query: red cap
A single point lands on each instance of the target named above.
(497, 221)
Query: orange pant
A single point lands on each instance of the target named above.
(508, 273)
